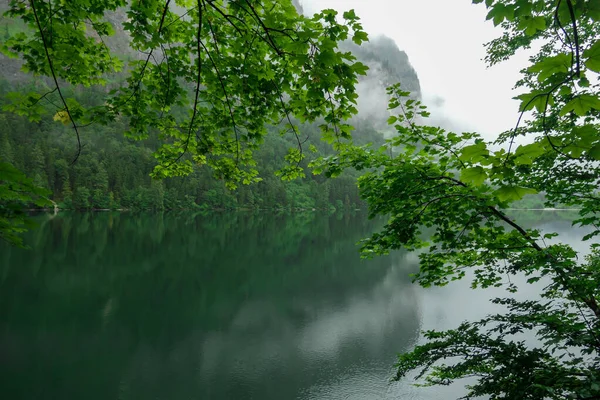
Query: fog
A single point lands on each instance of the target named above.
(444, 41)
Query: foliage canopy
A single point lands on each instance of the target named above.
(208, 75)
(207, 78)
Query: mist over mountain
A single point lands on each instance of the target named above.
(388, 65)
(298, 6)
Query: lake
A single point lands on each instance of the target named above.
(221, 306)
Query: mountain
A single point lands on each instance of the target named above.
(298, 6)
(388, 65)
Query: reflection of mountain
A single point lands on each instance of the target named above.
(176, 306)
(331, 339)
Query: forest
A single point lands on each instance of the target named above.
(113, 172)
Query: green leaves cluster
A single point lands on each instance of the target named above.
(208, 75)
(558, 81)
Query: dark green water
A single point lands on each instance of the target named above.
(181, 306)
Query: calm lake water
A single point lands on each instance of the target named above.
(226, 306)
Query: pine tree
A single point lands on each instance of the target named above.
(81, 198)
(67, 194)
(6, 153)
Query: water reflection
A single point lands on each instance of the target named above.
(204, 307)
(227, 306)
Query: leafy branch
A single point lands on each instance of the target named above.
(54, 77)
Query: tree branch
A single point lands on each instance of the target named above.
(54, 77)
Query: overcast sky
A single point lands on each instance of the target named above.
(444, 42)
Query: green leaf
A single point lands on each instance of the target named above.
(565, 91)
(512, 193)
(531, 25)
(581, 105)
(594, 10)
(537, 99)
(500, 12)
(524, 10)
(547, 67)
(581, 140)
(360, 68)
(592, 57)
(474, 153)
(585, 135)
(594, 152)
(583, 81)
(350, 15)
(474, 175)
(360, 37)
(525, 154)
(573, 150)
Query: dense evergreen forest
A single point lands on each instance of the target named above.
(113, 171)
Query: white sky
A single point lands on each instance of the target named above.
(444, 42)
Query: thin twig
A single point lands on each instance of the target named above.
(575, 36)
(264, 27)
